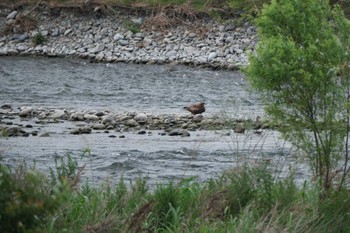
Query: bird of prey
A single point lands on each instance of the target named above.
(196, 108)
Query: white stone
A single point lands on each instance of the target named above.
(12, 15)
(141, 118)
(212, 56)
(58, 114)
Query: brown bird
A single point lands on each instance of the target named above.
(196, 108)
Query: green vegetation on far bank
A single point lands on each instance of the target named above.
(246, 199)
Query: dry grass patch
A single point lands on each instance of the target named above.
(23, 23)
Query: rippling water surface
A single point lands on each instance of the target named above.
(77, 84)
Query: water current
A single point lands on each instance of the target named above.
(154, 89)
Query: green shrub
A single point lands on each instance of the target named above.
(66, 169)
(38, 39)
(26, 200)
(248, 7)
(300, 69)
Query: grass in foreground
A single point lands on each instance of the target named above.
(247, 199)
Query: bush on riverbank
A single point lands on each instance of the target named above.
(246, 199)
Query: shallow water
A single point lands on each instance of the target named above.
(76, 84)
(65, 83)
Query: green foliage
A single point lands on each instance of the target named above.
(38, 39)
(334, 211)
(248, 7)
(134, 28)
(66, 168)
(26, 200)
(247, 199)
(255, 186)
(296, 71)
(173, 206)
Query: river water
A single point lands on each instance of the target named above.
(76, 84)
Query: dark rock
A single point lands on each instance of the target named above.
(46, 134)
(99, 114)
(6, 106)
(122, 136)
(141, 132)
(179, 132)
(75, 131)
(258, 131)
(13, 131)
(83, 130)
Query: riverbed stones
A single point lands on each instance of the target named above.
(86, 121)
(106, 40)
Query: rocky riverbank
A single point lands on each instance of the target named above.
(90, 121)
(110, 38)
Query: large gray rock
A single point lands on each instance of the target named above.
(58, 114)
(197, 118)
(141, 118)
(13, 131)
(91, 117)
(26, 112)
(99, 126)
